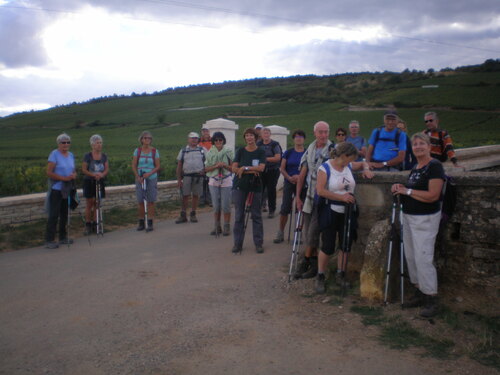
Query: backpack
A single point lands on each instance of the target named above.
(448, 199)
(197, 149)
(395, 139)
(139, 150)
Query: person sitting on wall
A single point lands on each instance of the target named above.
(441, 142)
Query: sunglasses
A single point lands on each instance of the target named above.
(218, 140)
(65, 142)
(147, 138)
(426, 121)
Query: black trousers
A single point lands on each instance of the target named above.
(58, 211)
(269, 181)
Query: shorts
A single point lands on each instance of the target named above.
(151, 191)
(289, 191)
(330, 234)
(89, 188)
(311, 227)
(192, 185)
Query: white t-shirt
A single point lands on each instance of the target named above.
(339, 183)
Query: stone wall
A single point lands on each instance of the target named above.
(470, 247)
(25, 208)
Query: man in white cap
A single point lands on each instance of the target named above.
(190, 172)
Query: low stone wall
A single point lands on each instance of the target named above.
(470, 247)
(25, 208)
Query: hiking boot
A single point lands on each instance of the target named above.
(192, 217)
(141, 224)
(66, 241)
(150, 225)
(320, 283)
(313, 269)
(227, 230)
(217, 230)
(88, 228)
(51, 245)
(259, 249)
(270, 215)
(338, 278)
(430, 307)
(416, 301)
(236, 249)
(302, 268)
(279, 237)
(182, 218)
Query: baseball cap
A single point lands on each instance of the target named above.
(193, 135)
(390, 113)
(259, 126)
(204, 128)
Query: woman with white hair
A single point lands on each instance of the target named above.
(61, 173)
(95, 168)
(421, 199)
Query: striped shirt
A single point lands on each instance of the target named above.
(441, 145)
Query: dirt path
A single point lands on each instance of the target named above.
(175, 302)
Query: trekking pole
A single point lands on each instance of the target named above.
(220, 202)
(346, 245)
(401, 252)
(248, 206)
(68, 221)
(296, 244)
(144, 199)
(290, 223)
(391, 240)
(98, 209)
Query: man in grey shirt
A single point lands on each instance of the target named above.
(190, 172)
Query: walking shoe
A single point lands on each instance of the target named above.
(338, 278)
(320, 283)
(416, 301)
(302, 268)
(227, 230)
(271, 215)
(313, 269)
(66, 241)
(264, 208)
(259, 249)
(150, 225)
(192, 217)
(279, 237)
(216, 231)
(182, 218)
(236, 249)
(141, 224)
(430, 307)
(51, 245)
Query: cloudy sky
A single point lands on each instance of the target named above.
(59, 51)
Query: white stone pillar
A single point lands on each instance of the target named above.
(279, 134)
(227, 127)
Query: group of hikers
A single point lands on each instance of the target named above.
(318, 181)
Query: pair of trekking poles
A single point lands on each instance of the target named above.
(345, 248)
(144, 188)
(392, 240)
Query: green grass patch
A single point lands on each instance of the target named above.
(399, 334)
(370, 315)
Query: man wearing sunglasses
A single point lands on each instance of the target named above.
(441, 142)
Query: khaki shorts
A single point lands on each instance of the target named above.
(192, 185)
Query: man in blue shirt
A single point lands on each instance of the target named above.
(387, 145)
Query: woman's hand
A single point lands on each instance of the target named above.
(367, 173)
(348, 198)
(398, 189)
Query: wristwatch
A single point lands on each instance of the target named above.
(385, 164)
(247, 168)
(409, 191)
